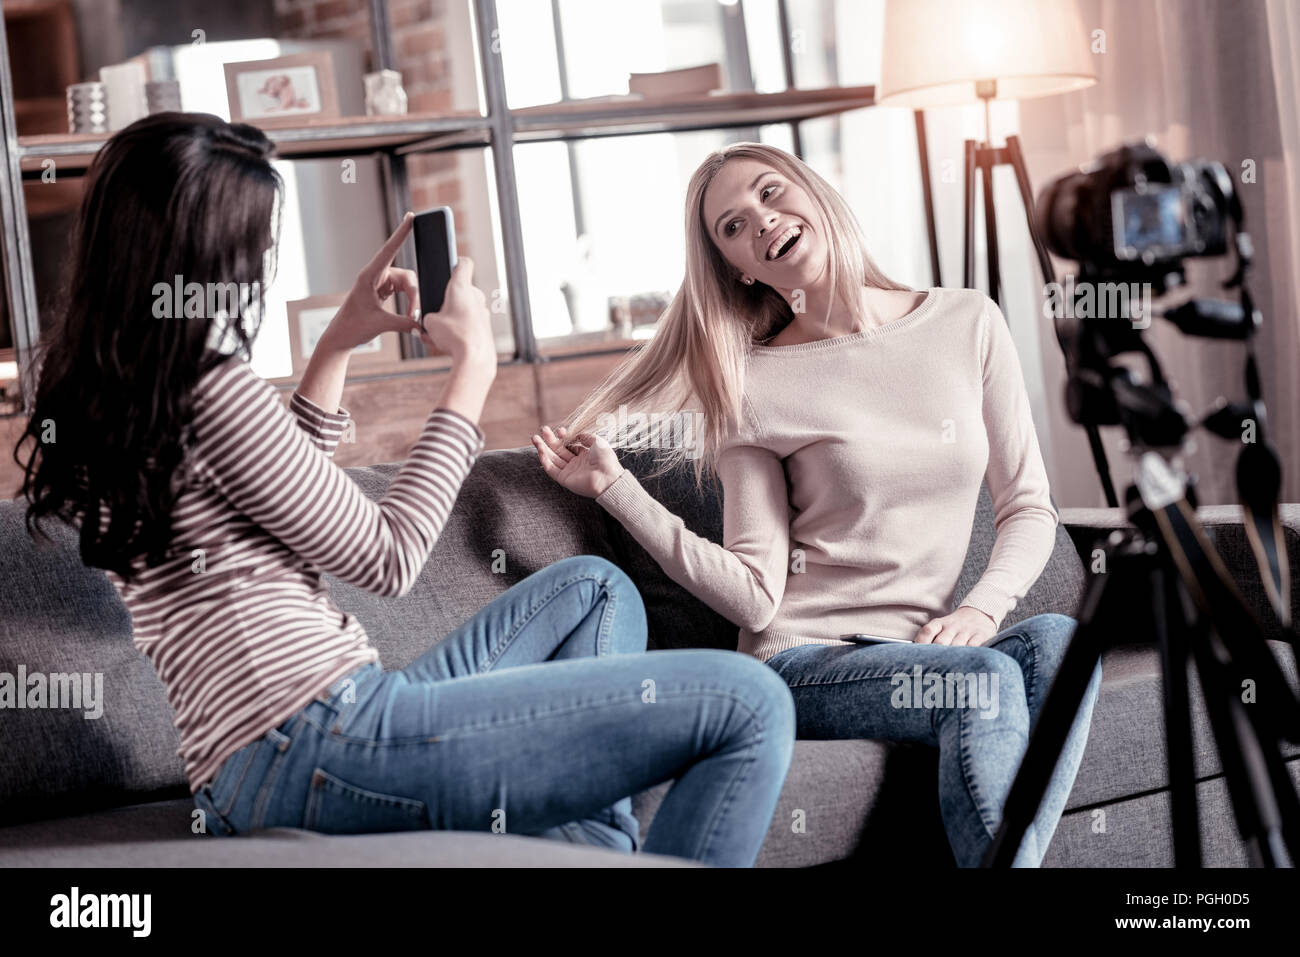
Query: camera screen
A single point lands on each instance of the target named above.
(1153, 222)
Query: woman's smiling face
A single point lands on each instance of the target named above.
(765, 224)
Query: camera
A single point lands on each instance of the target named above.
(1132, 214)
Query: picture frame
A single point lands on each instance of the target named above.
(308, 319)
(284, 91)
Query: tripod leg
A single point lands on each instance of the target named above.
(968, 228)
(1284, 791)
(1244, 766)
(1169, 633)
(927, 195)
(991, 228)
(1047, 737)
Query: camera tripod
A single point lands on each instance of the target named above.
(1196, 612)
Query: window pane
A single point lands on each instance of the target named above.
(870, 157)
(624, 239)
(763, 31)
(638, 37)
(314, 256)
(528, 58)
(463, 180)
(836, 42)
(605, 41)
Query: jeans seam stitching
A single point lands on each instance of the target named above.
(741, 776)
(972, 790)
(495, 655)
(441, 735)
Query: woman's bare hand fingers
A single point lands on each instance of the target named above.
(551, 462)
(577, 444)
(556, 444)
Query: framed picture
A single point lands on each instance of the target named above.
(308, 319)
(284, 91)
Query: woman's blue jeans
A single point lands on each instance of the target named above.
(540, 716)
(976, 704)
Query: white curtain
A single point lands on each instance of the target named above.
(1206, 79)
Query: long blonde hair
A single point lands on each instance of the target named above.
(698, 353)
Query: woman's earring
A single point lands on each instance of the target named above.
(747, 280)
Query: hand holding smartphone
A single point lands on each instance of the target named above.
(435, 257)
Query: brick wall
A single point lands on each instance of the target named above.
(420, 45)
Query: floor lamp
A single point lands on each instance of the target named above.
(946, 52)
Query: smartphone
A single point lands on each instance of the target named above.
(435, 256)
(874, 639)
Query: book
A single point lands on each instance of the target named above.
(688, 81)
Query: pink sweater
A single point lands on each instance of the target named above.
(849, 493)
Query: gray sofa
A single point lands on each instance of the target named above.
(110, 791)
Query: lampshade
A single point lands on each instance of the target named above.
(936, 50)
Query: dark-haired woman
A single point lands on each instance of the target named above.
(215, 511)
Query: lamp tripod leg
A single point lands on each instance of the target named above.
(968, 222)
(986, 162)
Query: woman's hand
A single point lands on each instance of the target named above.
(585, 464)
(462, 328)
(965, 626)
(366, 313)
(362, 316)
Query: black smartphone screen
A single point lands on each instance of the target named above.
(435, 255)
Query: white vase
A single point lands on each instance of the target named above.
(384, 94)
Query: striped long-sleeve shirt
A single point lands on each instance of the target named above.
(236, 621)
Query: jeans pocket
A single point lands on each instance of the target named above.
(336, 807)
(224, 788)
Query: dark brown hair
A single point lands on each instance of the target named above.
(173, 194)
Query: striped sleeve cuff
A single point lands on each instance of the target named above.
(325, 429)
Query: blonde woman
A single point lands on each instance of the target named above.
(850, 423)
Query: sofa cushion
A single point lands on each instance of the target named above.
(159, 835)
(59, 617)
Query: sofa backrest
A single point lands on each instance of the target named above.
(510, 520)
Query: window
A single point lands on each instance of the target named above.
(630, 239)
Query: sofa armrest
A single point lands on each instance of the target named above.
(1224, 525)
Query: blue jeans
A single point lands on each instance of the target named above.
(976, 704)
(540, 716)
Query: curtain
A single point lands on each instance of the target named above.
(1208, 79)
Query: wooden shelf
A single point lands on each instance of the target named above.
(351, 134)
(627, 115)
(573, 119)
(599, 116)
(630, 115)
(379, 370)
(586, 343)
